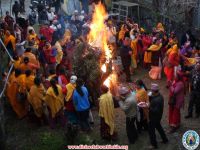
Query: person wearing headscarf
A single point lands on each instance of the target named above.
(36, 98)
(70, 112)
(82, 105)
(106, 113)
(176, 102)
(54, 100)
(155, 115)
(128, 104)
(170, 61)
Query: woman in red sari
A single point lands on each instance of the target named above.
(176, 102)
(171, 60)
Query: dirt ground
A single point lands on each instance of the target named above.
(24, 135)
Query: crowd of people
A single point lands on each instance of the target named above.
(42, 84)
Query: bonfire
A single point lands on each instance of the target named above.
(93, 58)
(98, 37)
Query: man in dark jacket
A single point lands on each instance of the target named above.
(22, 6)
(155, 116)
(195, 91)
(125, 53)
(16, 9)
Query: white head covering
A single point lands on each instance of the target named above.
(76, 12)
(123, 90)
(82, 12)
(73, 79)
(154, 87)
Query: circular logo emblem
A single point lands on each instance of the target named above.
(190, 140)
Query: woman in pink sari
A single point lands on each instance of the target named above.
(176, 102)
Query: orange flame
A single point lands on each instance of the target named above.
(98, 31)
(111, 80)
(103, 68)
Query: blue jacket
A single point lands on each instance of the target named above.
(81, 103)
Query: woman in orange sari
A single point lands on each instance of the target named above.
(17, 85)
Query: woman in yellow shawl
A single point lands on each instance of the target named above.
(32, 36)
(55, 102)
(36, 98)
(17, 84)
(106, 113)
(154, 48)
(142, 96)
(70, 112)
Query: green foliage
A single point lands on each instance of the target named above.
(86, 63)
(48, 141)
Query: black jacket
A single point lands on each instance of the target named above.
(156, 108)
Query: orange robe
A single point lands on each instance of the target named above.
(23, 67)
(17, 63)
(54, 102)
(15, 85)
(32, 58)
(35, 98)
(29, 82)
(122, 33)
(134, 54)
(11, 39)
